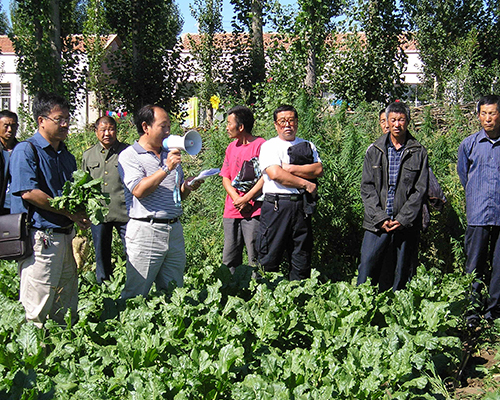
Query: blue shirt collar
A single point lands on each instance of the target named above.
(40, 141)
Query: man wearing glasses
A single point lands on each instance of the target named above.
(284, 224)
(393, 188)
(49, 278)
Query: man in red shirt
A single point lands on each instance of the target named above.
(241, 211)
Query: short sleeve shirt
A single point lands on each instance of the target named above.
(54, 169)
(236, 154)
(275, 152)
(134, 164)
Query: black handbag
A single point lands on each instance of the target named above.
(15, 241)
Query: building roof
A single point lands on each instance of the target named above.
(6, 45)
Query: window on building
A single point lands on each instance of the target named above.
(5, 95)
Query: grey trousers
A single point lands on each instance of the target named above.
(155, 253)
(239, 232)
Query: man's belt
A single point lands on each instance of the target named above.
(158, 220)
(66, 231)
(273, 197)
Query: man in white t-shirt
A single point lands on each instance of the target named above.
(284, 225)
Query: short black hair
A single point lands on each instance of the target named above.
(398, 107)
(145, 114)
(488, 100)
(284, 107)
(44, 103)
(382, 111)
(244, 116)
(104, 118)
(8, 114)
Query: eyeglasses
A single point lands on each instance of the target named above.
(284, 121)
(59, 121)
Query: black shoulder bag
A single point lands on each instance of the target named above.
(15, 240)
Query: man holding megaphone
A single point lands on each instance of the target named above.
(154, 186)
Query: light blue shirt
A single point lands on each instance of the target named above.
(479, 170)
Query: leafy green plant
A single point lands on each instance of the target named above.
(83, 194)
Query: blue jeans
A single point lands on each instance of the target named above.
(102, 236)
(389, 259)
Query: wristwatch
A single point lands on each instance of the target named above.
(165, 169)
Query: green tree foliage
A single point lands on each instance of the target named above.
(208, 52)
(48, 53)
(367, 62)
(441, 28)
(312, 26)
(146, 68)
(298, 54)
(95, 31)
(249, 19)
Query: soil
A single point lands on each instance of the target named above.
(482, 374)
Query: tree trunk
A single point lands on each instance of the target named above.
(310, 80)
(56, 41)
(258, 60)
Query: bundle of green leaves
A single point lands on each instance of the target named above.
(83, 194)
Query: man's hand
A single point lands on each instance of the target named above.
(311, 188)
(390, 225)
(173, 159)
(193, 185)
(81, 219)
(241, 204)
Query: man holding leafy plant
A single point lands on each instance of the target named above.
(49, 278)
(154, 187)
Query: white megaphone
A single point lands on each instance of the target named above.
(190, 142)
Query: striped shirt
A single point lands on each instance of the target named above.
(394, 157)
(134, 164)
(479, 171)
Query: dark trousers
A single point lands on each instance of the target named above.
(102, 236)
(389, 259)
(482, 244)
(286, 229)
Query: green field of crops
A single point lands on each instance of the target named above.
(233, 337)
(226, 336)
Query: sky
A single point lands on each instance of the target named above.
(189, 21)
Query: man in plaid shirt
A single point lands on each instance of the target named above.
(394, 186)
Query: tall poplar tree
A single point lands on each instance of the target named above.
(367, 61)
(207, 52)
(48, 52)
(146, 68)
(441, 28)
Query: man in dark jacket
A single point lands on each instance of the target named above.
(8, 130)
(101, 161)
(393, 188)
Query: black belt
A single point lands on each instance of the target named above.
(272, 197)
(65, 231)
(159, 220)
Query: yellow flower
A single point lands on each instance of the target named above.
(215, 101)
